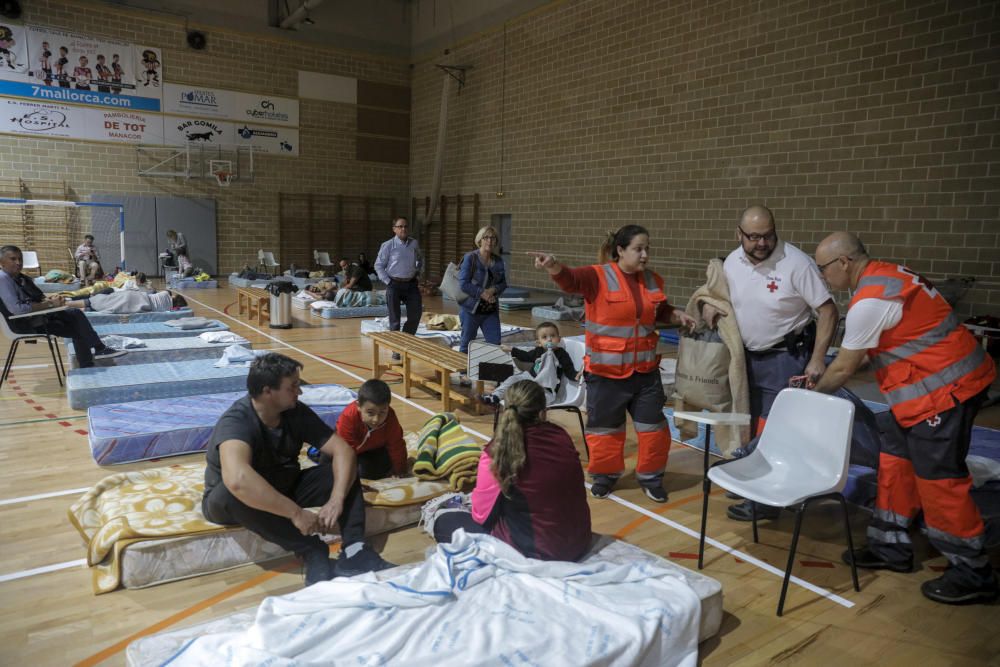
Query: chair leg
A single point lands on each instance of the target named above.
(56, 361)
(753, 519)
(850, 540)
(706, 489)
(799, 513)
(11, 352)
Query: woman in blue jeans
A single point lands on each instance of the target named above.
(483, 279)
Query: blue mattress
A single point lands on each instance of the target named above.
(159, 350)
(551, 314)
(127, 432)
(361, 311)
(236, 281)
(154, 330)
(135, 318)
(50, 288)
(191, 283)
(122, 384)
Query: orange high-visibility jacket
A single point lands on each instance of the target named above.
(618, 343)
(929, 361)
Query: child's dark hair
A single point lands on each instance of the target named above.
(620, 239)
(546, 325)
(374, 391)
(268, 371)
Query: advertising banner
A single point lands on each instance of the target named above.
(179, 131)
(42, 119)
(269, 139)
(196, 101)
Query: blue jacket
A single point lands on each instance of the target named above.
(472, 276)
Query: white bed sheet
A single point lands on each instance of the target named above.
(450, 337)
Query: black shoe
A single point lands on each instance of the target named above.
(366, 560)
(732, 495)
(396, 356)
(318, 566)
(744, 511)
(655, 493)
(106, 352)
(601, 488)
(869, 560)
(489, 399)
(950, 589)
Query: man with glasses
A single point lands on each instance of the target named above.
(934, 377)
(775, 289)
(398, 265)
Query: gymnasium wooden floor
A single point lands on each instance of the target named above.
(49, 616)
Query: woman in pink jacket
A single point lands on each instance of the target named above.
(529, 490)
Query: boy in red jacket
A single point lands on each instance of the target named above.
(370, 427)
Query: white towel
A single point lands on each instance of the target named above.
(123, 342)
(237, 355)
(326, 395)
(222, 337)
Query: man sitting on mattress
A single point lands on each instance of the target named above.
(253, 478)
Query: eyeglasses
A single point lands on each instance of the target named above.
(489, 237)
(400, 226)
(822, 267)
(770, 237)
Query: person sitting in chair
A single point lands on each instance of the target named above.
(19, 295)
(177, 248)
(88, 260)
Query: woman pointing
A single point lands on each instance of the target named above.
(624, 303)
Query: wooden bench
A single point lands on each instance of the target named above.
(256, 302)
(443, 360)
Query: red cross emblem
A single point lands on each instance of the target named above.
(772, 287)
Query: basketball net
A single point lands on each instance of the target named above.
(223, 178)
(223, 172)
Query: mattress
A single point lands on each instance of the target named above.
(133, 318)
(302, 300)
(126, 432)
(50, 288)
(159, 350)
(151, 562)
(550, 313)
(158, 649)
(154, 330)
(236, 281)
(360, 311)
(451, 338)
(99, 385)
(301, 283)
(191, 283)
(521, 303)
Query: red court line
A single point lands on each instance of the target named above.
(816, 563)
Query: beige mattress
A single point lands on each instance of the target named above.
(159, 648)
(153, 562)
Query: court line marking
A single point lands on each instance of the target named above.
(53, 494)
(822, 592)
(42, 570)
(19, 367)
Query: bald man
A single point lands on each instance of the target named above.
(934, 377)
(785, 314)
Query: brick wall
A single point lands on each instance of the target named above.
(878, 117)
(247, 214)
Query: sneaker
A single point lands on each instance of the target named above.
(396, 356)
(106, 352)
(433, 508)
(489, 399)
(366, 560)
(732, 495)
(601, 489)
(869, 560)
(318, 566)
(655, 493)
(744, 511)
(949, 588)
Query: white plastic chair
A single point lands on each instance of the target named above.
(31, 338)
(266, 259)
(30, 258)
(322, 259)
(802, 456)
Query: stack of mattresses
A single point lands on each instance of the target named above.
(236, 281)
(161, 350)
(162, 648)
(136, 318)
(99, 385)
(127, 432)
(328, 311)
(155, 330)
(302, 300)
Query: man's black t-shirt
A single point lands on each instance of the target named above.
(275, 452)
(363, 282)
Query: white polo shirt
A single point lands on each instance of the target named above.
(773, 297)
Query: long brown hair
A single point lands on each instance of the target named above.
(620, 239)
(524, 403)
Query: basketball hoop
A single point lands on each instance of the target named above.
(222, 170)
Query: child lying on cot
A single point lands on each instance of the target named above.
(547, 339)
(370, 427)
(529, 486)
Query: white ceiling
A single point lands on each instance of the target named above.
(405, 29)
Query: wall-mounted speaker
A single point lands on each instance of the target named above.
(197, 40)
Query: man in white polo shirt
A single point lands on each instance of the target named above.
(775, 289)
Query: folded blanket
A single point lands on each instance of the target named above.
(445, 451)
(123, 342)
(400, 491)
(238, 355)
(133, 506)
(350, 299)
(186, 323)
(222, 337)
(328, 395)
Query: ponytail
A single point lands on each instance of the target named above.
(525, 401)
(619, 239)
